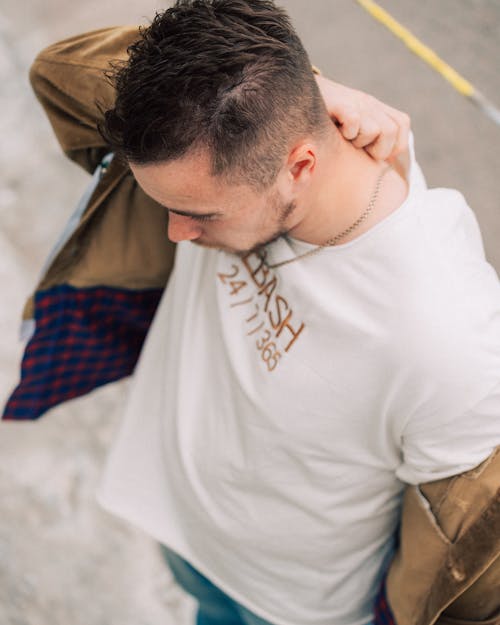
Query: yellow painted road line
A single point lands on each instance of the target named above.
(462, 85)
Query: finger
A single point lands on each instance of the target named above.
(383, 145)
(349, 124)
(368, 132)
(403, 121)
(380, 150)
(404, 124)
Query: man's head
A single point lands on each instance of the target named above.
(225, 88)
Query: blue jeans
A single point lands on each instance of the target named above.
(214, 606)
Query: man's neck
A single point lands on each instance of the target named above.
(344, 183)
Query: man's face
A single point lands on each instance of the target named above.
(211, 212)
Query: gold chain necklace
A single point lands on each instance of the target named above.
(335, 239)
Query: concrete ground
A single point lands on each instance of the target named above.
(62, 560)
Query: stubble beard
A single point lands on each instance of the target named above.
(285, 210)
(281, 230)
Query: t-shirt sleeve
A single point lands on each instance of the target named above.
(433, 453)
(445, 397)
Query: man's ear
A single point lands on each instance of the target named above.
(301, 163)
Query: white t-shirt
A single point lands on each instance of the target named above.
(276, 414)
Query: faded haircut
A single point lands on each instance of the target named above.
(230, 76)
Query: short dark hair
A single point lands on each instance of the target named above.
(228, 75)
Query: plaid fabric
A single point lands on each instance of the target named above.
(84, 338)
(382, 611)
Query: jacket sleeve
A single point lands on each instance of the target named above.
(446, 570)
(97, 296)
(69, 79)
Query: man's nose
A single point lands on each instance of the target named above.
(181, 228)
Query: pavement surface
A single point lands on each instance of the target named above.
(62, 559)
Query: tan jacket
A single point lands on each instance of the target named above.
(447, 567)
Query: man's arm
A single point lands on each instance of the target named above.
(69, 79)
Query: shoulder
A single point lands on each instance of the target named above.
(440, 267)
(445, 315)
(450, 221)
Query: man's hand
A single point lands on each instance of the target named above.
(381, 130)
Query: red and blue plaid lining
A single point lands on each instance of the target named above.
(84, 338)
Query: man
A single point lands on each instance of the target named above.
(330, 332)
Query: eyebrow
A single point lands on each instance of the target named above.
(190, 214)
